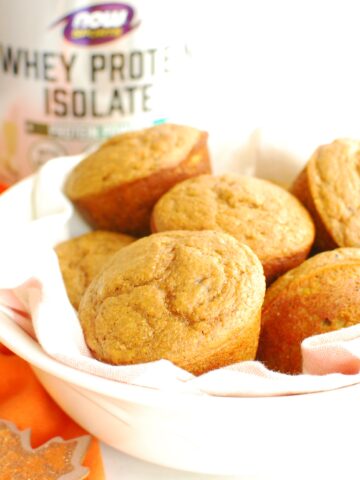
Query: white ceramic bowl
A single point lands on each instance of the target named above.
(248, 436)
(214, 435)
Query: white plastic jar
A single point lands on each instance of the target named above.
(73, 73)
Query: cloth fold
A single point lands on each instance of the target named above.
(36, 288)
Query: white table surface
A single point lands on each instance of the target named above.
(119, 466)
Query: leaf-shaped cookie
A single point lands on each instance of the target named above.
(56, 459)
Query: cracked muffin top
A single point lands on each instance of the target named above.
(329, 187)
(256, 212)
(131, 156)
(193, 298)
(81, 258)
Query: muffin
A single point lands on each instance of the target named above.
(264, 216)
(321, 295)
(193, 298)
(116, 187)
(329, 187)
(81, 258)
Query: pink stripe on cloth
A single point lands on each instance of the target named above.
(9, 299)
(20, 318)
(337, 351)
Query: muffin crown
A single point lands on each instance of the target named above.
(176, 295)
(256, 212)
(333, 175)
(132, 156)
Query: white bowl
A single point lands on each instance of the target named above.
(247, 436)
(205, 434)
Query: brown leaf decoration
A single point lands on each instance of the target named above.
(55, 460)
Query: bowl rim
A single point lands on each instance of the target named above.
(22, 344)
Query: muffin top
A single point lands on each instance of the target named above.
(175, 295)
(311, 268)
(131, 156)
(319, 296)
(333, 174)
(82, 258)
(256, 212)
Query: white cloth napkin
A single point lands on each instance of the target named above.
(32, 293)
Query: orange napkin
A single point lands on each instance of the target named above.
(3, 187)
(24, 402)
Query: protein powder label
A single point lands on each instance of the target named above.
(79, 73)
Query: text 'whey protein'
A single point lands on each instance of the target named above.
(73, 73)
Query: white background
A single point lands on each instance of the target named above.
(288, 69)
(293, 65)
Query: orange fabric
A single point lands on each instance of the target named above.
(24, 402)
(3, 187)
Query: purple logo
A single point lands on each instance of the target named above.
(98, 24)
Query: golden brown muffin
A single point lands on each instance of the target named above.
(329, 187)
(193, 298)
(321, 295)
(116, 187)
(256, 212)
(83, 257)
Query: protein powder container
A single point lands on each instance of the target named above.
(73, 73)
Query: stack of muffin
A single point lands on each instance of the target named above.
(220, 273)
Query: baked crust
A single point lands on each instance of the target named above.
(82, 257)
(116, 187)
(256, 212)
(319, 296)
(193, 298)
(329, 187)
